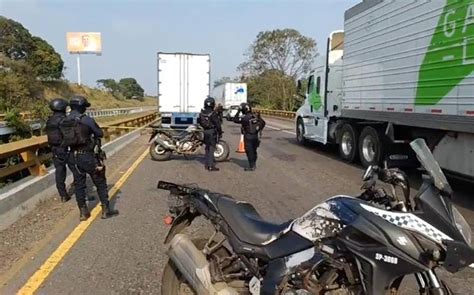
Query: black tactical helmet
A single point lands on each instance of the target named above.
(78, 102)
(58, 105)
(209, 102)
(245, 107)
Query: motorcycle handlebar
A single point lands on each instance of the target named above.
(175, 188)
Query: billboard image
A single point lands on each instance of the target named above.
(83, 43)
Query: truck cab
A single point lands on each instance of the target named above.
(323, 96)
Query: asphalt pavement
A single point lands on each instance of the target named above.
(125, 255)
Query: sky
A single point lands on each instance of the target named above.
(134, 31)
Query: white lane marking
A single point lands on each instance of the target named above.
(280, 129)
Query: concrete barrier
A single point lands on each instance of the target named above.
(18, 199)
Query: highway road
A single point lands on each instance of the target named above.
(125, 255)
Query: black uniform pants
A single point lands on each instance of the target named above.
(251, 142)
(210, 140)
(60, 161)
(86, 163)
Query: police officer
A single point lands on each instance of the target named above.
(60, 153)
(209, 121)
(220, 112)
(86, 160)
(252, 125)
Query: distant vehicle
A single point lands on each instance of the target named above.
(230, 113)
(230, 95)
(183, 84)
(400, 71)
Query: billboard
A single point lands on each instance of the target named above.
(84, 43)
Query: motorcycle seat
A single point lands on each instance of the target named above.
(247, 224)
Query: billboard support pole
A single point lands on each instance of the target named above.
(78, 69)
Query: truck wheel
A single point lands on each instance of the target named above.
(370, 147)
(348, 143)
(300, 132)
(158, 153)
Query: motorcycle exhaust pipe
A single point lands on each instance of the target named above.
(194, 267)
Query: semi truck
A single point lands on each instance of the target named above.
(400, 70)
(183, 85)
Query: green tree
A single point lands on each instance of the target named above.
(110, 85)
(130, 88)
(273, 90)
(46, 62)
(18, 86)
(287, 51)
(15, 40)
(17, 43)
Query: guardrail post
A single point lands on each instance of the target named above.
(36, 170)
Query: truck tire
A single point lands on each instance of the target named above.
(370, 147)
(300, 132)
(348, 143)
(158, 153)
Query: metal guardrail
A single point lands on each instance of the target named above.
(28, 149)
(97, 113)
(276, 113)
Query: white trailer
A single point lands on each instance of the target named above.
(230, 94)
(183, 85)
(400, 70)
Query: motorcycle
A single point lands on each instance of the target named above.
(165, 142)
(346, 245)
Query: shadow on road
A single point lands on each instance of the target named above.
(242, 163)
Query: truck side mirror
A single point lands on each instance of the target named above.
(299, 89)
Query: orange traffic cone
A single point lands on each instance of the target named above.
(241, 148)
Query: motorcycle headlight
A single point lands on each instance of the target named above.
(462, 225)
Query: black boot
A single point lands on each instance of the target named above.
(84, 213)
(90, 198)
(251, 167)
(65, 198)
(107, 212)
(213, 169)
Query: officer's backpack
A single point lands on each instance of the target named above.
(255, 125)
(52, 130)
(205, 120)
(72, 131)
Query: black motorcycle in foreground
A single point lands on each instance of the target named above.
(346, 245)
(165, 142)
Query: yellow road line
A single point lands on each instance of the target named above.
(40, 276)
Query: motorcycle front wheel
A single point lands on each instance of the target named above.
(222, 151)
(158, 153)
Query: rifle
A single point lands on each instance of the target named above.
(99, 154)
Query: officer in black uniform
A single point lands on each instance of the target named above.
(209, 121)
(252, 125)
(220, 112)
(86, 160)
(60, 153)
